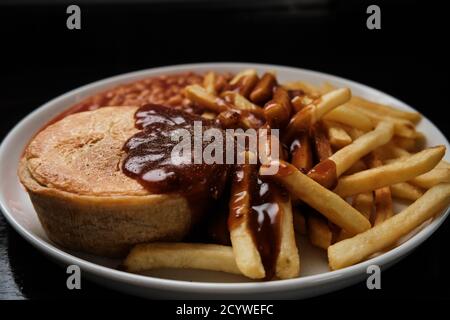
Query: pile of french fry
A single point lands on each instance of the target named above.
(347, 159)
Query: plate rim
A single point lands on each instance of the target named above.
(55, 253)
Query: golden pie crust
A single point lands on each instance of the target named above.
(72, 173)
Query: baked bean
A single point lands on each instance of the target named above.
(165, 89)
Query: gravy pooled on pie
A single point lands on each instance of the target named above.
(150, 158)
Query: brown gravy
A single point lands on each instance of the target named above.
(324, 173)
(258, 202)
(149, 157)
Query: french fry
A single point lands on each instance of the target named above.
(209, 83)
(265, 150)
(389, 174)
(386, 234)
(323, 173)
(244, 82)
(383, 205)
(337, 136)
(326, 202)
(383, 197)
(330, 101)
(299, 100)
(355, 133)
(247, 84)
(347, 156)
(319, 233)
(242, 74)
(356, 167)
(250, 261)
(308, 88)
(342, 235)
(421, 140)
(199, 95)
(249, 119)
(410, 144)
(386, 110)
(309, 115)
(390, 151)
(402, 127)
(437, 175)
(263, 89)
(327, 87)
(350, 117)
(302, 153)
(407, 191)
(278, 110)
(321, 143)
(405, 155)
(288, 261)
(241, 103)
(221, 82)
(245, 251)
(297, 103)
(362, 202)
(181, 255)
(234, 118)
(229, 119)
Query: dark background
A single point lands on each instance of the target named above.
(41, 58)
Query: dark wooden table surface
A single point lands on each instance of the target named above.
(42, 59)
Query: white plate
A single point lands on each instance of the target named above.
(315, 276)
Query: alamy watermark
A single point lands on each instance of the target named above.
(74, 279)
(73, 21)
(374, 279)
(374, 20)
(233, 147)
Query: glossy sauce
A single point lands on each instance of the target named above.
(285, 169)
(258, 203)
(263, 90)
(301, 153)
(321, 142)
(149, 157)
(245, 85)
(324, 173)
